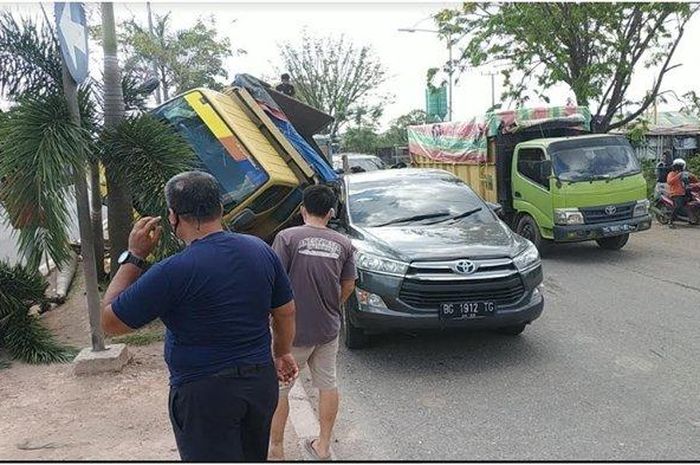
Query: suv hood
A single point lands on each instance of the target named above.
(441, 242)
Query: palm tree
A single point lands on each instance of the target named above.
(119, 211)
(30, 64)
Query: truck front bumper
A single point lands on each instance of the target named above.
(586, 232)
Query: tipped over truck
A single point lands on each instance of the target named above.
(258, 144)
(553, 179)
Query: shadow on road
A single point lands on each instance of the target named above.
(457, 351)
(590, 253)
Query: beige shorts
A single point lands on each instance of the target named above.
(321, 360)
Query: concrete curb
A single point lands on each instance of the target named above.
(303, 417)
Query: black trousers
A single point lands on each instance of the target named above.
(678, 203)
(225, 417)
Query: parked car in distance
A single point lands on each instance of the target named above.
(432, 254)
(362, 161)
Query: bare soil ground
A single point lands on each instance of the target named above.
(48, 413)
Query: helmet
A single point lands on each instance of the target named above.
(679, 162)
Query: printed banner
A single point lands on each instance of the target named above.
(466, 142)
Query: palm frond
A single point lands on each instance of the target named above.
(26, 339)
(40, 147)
(146, 152)
(19, 287)
(29, 57)
(21, 334)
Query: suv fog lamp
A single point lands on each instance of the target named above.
(370, 300)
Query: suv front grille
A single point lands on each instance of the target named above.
(605, 213)
(429, 284)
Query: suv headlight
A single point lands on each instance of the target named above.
(528, 258)
(377, 264)
(567, 216)
(642, 208)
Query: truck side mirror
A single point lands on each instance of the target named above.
(242, 221)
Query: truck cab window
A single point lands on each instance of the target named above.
(529, 161)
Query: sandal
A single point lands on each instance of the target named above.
(309, 446)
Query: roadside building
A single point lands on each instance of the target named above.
(674, 131)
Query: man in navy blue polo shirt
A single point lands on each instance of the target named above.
(215, 299)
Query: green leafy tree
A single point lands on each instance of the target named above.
(336, 76)
(360, 140)
(691, 103)
(397, 135)
(183, 59)
(594, 48)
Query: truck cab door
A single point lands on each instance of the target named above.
(531, 189)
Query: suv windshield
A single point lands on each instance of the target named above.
(417, 199)
(227, 158)
(593, 159)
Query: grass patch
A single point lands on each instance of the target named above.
(141, 338)
(153, 332)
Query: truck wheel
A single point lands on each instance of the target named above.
(613, 243)
(353, 337)
(527, 227)
(514, 330)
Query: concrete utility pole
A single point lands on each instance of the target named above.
(493, 86)
(155, 66)
(87, 249)
(450, 67)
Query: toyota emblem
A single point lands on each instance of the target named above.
(610, 210)
(464, 267)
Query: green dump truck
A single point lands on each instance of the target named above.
(553, 180)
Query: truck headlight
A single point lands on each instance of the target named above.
(528, 258)
(567, 216)
(642, 208)
(377, 264)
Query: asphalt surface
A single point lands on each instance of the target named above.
(611, 371)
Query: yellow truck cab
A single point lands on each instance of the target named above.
(260, 158)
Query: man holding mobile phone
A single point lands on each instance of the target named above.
(215, 299)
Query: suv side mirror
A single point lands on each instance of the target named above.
(497, 208)
(242, 221)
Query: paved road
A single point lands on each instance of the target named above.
(610, 371)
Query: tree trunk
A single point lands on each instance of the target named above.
(96, 218)
(119, 213)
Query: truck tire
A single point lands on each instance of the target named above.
(353, 337)
(613, 243)
(527, 227)
(514, 330)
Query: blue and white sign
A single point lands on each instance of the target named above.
(73, 38)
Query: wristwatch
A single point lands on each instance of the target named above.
(128, 257)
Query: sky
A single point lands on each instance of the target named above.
(258, 28)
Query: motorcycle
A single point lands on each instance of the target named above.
(662, 205)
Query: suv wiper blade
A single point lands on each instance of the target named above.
(459, 216)
(406, 219)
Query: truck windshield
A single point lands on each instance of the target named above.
(225, 157)
(589, 161)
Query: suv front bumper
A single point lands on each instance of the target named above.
(585, 232)
(398, 315)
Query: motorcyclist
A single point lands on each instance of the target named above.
(678, 180)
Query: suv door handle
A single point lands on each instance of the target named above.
(517, 194)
